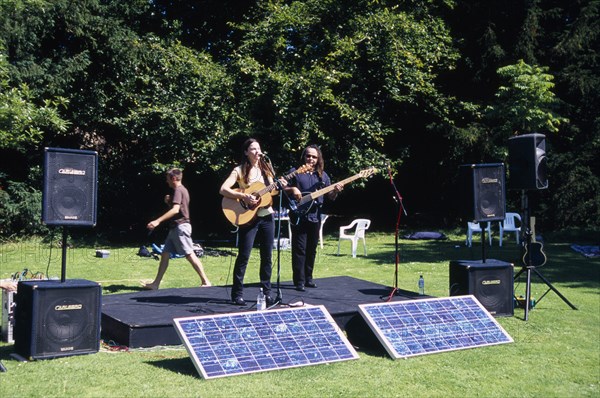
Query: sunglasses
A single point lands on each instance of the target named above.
(311, 156)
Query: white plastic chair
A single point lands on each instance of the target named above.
(475, 227)
(324, 218)
(360, 225)
(510, 225)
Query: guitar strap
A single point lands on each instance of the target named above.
(320, 186)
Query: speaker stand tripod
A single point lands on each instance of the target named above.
(528, 289)
(533, 249)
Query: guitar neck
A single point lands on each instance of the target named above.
(273, 185)
(314, 195)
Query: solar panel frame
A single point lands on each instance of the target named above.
(258, 341)
(428, 326)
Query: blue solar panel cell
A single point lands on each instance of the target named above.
(417, 327)
(248, 342)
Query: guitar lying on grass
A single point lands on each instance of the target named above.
(239, 213)
(534, 255)
(303, 206)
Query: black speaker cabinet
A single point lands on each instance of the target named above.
(490, 282)
(70, 187)
(527, 162)
(56, 319)
(483, 191)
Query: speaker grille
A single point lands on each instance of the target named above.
(66, 320)
(490, 288)
(527, 163)
(483, 193)
(54, 319)
(70, 187)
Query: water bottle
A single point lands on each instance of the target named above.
(261, 302)
(421, 285)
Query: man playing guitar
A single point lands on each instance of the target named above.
(305, 232)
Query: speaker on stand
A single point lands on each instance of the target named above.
(528, 172)
(483, 194)
(69, 197)
(527, 163)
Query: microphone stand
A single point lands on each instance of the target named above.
(398, 199)
(279, 297)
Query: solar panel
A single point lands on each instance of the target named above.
(427, 326)
(248, 342)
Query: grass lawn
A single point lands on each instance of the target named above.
(556, 353)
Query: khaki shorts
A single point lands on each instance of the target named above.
(179, 240)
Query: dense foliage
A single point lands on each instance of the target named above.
(421, 85)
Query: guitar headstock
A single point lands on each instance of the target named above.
(305, 168)
(368, 172)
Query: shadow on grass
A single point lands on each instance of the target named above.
(6, 350)
(563, 264)
(182, 366)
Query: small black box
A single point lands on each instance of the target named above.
(490, 282)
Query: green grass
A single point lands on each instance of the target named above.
(556, 353)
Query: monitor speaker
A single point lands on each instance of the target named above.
(56, 319)
(483, 192)
(490, 282)
(527, 164)
(70, 187)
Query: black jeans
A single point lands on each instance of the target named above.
(264, 229)
(305, 237)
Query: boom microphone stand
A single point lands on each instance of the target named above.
(398, 199)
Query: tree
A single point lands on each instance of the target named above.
(331, 72)
(142, 101)
(22, 121)
(526, 104)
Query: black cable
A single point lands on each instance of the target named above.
(49, 254)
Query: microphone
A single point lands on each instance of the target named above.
(263, 156)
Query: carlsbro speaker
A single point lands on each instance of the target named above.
(483, 193)
(527, 164)
(70, 187)
(56, 319)
(490, 282)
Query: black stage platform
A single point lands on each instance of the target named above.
(145, 319)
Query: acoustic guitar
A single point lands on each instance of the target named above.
(238, 212)
(304, 205)
(534, 255)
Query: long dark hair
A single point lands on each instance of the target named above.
(247, 166)
(320, 162)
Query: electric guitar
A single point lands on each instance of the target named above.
(303, 206)
(534, 255)
(239, 213)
